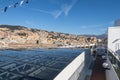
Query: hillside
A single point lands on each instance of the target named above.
(101, 36)
(23, 37)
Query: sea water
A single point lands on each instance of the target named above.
(36, 64)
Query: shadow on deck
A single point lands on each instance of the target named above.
(98, 70)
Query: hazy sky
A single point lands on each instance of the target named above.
(67, 16)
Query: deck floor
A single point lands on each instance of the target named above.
(98, 71)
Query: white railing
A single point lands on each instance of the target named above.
(71, 71)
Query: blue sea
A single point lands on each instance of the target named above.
(36, 64)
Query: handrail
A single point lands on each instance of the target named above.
(111, 74)
(69, 72)
(114, 55)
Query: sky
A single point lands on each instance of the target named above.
(66, 16)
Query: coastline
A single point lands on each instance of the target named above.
(26, 46)
(34, 46)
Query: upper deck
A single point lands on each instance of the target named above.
(90, 67)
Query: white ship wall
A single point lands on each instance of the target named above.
(114, 49)
(114, 39)
(70, 70)
(77, 69)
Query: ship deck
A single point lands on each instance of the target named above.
(98, 72)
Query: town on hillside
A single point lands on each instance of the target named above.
(15, 37)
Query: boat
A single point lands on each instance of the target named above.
(99, 63)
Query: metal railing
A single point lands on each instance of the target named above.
(114, 72)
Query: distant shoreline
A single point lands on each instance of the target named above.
(32, 48)
(21, 49)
